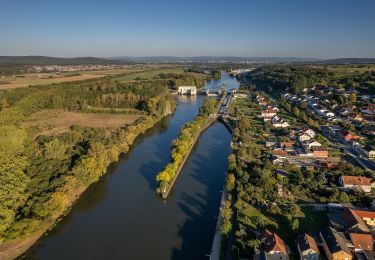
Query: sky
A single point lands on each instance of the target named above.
(245, 28)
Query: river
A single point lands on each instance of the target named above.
(121, 217)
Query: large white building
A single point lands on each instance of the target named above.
(187, 90)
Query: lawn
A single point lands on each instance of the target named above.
(56, 121)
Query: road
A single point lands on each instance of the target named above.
(354, 152)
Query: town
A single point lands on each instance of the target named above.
(316, 172)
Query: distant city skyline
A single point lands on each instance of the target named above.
(310, 29)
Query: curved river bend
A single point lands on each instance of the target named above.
(121, 217)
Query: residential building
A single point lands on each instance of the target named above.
(273, 246)
(334, 245)
(288, 146)
(369, 151)
(268, 112)
(319, 151)
(362, 242)
(310, 132)
(356, 182)
(310, 144)
(302, 137)
(350, 136)
(367, 216)
(307, 247)
(352, 222)
(280, 153)
(278, 122)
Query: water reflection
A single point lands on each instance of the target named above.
(121, 217)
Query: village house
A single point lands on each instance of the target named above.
(362, 242)
(352, 222)
(280, 153)
(334, 245)
(268, 112)
(369, 151)
(319, 151)
(302, 137)
(356, 182)
(288, 146)
(367, 216)
(272, 247)
(310, 144)
(278, 122)
(349, 136)
(307, 247)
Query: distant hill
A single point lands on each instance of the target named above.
(172, 59)
(44, 60)
(349, 61)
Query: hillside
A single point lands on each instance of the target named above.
(44, 60)
(349, 61)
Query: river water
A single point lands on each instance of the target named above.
(121, 217)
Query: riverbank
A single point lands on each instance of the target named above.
(168, 184)
(71, 192)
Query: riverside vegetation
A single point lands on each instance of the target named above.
(42, 175)
(181, 146)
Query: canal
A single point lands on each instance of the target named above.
(121, 217)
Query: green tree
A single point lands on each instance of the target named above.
(55, 149)
(230, 182)
(4, 104)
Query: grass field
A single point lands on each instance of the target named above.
(28, 79)
(128, 74)
(142, 75)
(56, 121)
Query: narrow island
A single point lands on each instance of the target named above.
(183, 144)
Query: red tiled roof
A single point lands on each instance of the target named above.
(356, 180)
(365, 214)
(272, 242)
(362, 241)
(352, 219)
(280, 152)
(306, 242)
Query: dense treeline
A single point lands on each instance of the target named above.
(216, 74)
(183, 143)
(175, 80)
(40, 176)
(296, 78)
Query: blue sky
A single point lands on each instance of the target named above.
(298, 28)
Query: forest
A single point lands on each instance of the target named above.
(42, 175)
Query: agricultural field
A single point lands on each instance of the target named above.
(28, 79)
(128, 74)
(57, 121)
